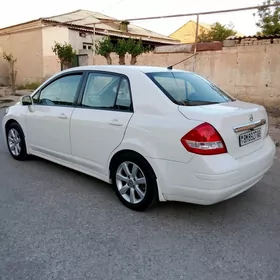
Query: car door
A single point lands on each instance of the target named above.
(98, 124)
(48, 120)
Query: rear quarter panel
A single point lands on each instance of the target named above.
(158, 137)
(156, 127)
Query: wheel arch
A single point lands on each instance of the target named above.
(9, 122)
(125, 152)
(130, 151)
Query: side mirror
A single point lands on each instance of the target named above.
(26, 100)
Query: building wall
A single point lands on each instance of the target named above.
(26, 47)
(249, 72)
(50, 35)
(186, 33)
(77, 41)
(61, 35)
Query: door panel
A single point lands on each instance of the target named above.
(98, 126)
(48, 120)
(95, 134)
(48, 128)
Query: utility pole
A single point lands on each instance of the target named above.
(93, 47)
(94, 35)
(196, 40)
(196, 33)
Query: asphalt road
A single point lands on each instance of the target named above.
(56, 223)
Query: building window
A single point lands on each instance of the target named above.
(87, 46)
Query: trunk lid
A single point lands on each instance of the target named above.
(231, 120)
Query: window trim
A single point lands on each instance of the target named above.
(82, 92)
(86, 44)
(164, 91)
(72, 73)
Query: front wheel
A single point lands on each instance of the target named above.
(16, 141)
(134, 182)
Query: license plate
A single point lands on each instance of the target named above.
(249, 137)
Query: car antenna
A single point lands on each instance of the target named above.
(171, 66)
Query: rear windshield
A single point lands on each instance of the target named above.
(188, 89)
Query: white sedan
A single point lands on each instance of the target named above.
(156, 134)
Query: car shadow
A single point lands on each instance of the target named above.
(231, 211)
(55, 167)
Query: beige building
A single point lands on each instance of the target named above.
(187, 32)
(31, 42)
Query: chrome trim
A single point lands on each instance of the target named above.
(249, 126)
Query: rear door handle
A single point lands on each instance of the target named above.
(115, 122)
(62, 116)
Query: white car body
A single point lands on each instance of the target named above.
(87, 139)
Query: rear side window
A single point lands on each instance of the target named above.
(107, 91)
(188, 89)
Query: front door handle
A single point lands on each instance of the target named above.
(115, 122)
(62, 116)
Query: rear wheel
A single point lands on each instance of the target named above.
(16, 141)
(134, 182)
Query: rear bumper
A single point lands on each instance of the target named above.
(210, 179)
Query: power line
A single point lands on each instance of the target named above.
(205, 13)
(109, 6)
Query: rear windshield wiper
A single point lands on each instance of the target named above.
(196, 102)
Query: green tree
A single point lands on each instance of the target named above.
(218, 32)
(104, 48)
(13, 73)
(136, 48)
(65, 53)
(121, 50)
(123, 46)
(269, 18)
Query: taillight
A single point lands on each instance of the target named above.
(204, 140)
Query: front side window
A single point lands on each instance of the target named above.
(61, 92)
(107, 91)
(188, 89)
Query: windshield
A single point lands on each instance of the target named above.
(188, 89)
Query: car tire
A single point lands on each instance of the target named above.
(136, 187)
(16, 141)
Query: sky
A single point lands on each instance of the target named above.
(18, 11)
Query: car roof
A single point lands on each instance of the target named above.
(123, 69)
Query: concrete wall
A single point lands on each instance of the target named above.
(27, 48)
(50, 35)
(249, 69)
(249, 72)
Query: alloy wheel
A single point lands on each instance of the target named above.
(14, 142)
(131, 182)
